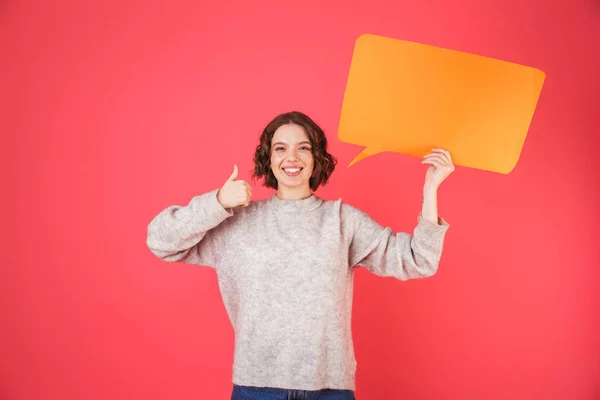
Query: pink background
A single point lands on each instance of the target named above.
(114, 110)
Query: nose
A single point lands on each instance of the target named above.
(293, 155)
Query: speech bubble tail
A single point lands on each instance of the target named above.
(368, 152)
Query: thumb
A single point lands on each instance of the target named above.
(234, 175)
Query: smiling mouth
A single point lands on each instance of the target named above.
(295, 171)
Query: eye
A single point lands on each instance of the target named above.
(279, 148)
(305, 148)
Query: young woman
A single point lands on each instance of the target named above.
(285, 265)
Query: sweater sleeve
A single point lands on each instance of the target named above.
(188, 234)
(400, 255)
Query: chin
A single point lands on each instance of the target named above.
(294, 185)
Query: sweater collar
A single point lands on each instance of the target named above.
(306, 204)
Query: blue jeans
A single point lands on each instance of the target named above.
(267, 393)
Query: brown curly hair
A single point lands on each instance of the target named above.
(324, 163)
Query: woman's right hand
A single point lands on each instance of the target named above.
(234, 192)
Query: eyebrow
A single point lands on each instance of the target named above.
(276, 143)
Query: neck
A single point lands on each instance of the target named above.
(299, 193)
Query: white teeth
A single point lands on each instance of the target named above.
(292, 170)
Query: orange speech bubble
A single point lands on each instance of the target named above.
(408, 98)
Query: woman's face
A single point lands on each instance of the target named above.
(291, 157)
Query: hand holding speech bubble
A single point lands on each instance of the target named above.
(409, 97)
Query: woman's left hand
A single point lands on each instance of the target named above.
(440, 166)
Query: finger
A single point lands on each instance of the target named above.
(439, 165)
(243, 200)
(434, 162)
(444, 152)
(234, 175)
(436, 157)
(447, 158)
(436, 153)
(243, 185)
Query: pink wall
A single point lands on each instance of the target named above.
(115, 111)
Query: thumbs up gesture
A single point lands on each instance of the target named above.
(234, 192)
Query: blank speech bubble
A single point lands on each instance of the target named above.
(409, 97)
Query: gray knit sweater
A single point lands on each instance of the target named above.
(285, 270)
